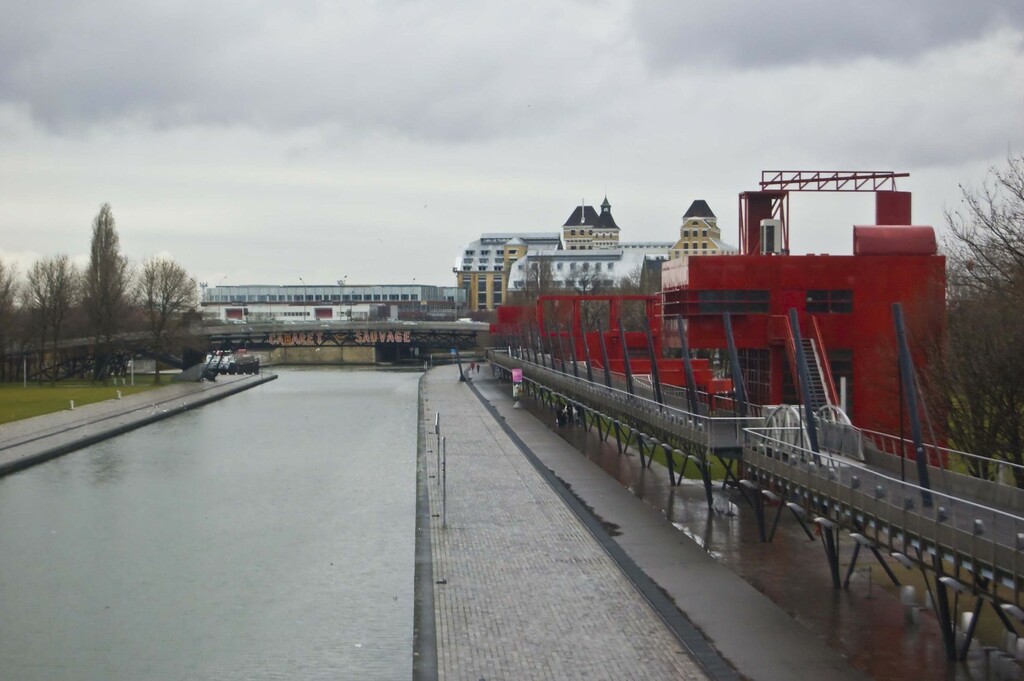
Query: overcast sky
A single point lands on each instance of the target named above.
(261, 142)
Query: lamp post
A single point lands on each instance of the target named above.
(303, 299)
(341, 296)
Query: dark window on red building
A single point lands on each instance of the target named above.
(838, 301)
(733, 302)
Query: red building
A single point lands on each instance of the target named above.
(843, 303)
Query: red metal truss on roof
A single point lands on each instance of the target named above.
(830, 180)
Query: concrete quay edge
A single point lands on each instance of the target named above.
(522, 587)
(47, 442)
(700, 649)
(752, 635)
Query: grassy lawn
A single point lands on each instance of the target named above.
(717, 468)
(17, 402)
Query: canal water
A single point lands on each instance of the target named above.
(267, 536)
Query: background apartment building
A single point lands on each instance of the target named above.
(587, 255)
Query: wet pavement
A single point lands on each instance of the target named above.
(760, 640)
(523, 588)
(864, 627)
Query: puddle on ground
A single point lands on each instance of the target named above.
(867, 623)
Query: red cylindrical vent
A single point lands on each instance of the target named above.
(894, 240)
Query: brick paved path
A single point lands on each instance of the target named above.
(529, 593)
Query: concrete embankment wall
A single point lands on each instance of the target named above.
(318, 355)
(355, 355)
(34, 441)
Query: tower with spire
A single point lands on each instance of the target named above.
(586, 229)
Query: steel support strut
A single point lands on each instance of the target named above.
(946, 623)
(572, 353)
(734, 362)
(829, 539)
(604, 357)
(907, 379)
(586, 352)
(625, 359)
(655, 378)
(691, 381)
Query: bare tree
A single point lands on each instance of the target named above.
(50, 294)
(630, 283)
(539, 280)
(165, 292)
(979, 381)
(986, 248)
(585, 280)
(106, 281)
(8, 298)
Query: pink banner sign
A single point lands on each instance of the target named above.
(517, 375)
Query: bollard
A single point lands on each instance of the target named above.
(72, 405)
(118, 394)
(437, 432)
(444, 482)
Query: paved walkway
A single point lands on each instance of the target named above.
(523, 589)
(31, 441)
(511, 545)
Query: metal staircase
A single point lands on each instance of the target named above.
(819, 395)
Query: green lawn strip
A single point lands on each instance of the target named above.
(692, 472)
(18, 402)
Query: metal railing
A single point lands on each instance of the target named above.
(938, 529)
(713, 432)
(900, 515)
(983, 467)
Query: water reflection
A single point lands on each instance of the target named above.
(867, 623)
(269, 535)
(105, 467)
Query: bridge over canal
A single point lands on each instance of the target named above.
(965, 538)
(361, 342)
(309, 343)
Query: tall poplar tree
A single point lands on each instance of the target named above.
(105, 284)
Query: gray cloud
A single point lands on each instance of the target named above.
(688, 33)
(420, 70)
(334, 138)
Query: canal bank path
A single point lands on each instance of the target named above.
(528, 584)
(32, 441)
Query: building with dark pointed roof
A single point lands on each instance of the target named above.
(586, 229)
(582, 216)
(605, 219)
(699, 209)
(699, 234)
(587, 257)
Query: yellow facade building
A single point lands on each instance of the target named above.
(699, 234)
(482, 268)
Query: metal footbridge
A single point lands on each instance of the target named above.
(966, 539)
